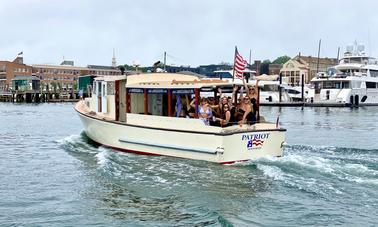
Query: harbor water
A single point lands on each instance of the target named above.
(51, 175)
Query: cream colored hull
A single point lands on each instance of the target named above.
(214, 145)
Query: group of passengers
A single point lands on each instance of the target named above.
(225, 112)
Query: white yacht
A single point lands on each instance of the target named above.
(354, 81)
(136, 114)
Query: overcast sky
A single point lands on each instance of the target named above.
(192, 32)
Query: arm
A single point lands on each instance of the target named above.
(241, 93)
(228, 116)
(187, 102)
(234, 90)
(245, 85)
(244, 120)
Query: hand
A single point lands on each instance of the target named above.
(235, 88)
(220, 90)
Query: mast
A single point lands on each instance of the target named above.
(165, 59)
(338, 54)
(233, 67)
(250, 55)
(317, 65)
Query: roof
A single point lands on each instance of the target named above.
(102, 67)
(26, 78)
(314, 60)
(60, 67)
(110, 78)
(170, 80)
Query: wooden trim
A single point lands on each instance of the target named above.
(170, 103)
(145, 101)
(197, 97)
(128, 101)
(116, 85)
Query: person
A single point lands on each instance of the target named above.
(224, 121)
(253, 95)
(190, 107)
(204, 111)
(81, 94)
(246, 110)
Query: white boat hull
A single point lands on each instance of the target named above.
(179, 139)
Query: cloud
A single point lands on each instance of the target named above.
(192, 32)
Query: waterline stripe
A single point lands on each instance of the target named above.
(139, 142)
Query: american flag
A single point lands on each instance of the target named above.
(239, 64)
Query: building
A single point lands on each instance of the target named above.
(102, 70)
(59, 78)
(26, 83)
(11, 69)
(308, 66)
(275, 69)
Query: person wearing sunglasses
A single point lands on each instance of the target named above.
(224, 120)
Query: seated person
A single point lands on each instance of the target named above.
(246, 109)
(205, 113)
(191, 107)
(225, 116)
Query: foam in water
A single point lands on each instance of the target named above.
(102, 157)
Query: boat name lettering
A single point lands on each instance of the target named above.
(255, 136)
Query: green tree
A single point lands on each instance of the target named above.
(281, 60)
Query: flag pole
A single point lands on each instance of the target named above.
(233, 67)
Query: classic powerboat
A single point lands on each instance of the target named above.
(136, 114)
(354, 81)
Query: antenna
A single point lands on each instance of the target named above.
(165, 59)
(317, 65)
(338, 53)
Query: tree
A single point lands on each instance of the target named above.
(281, 60)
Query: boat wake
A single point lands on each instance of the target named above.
(323, 172)
(321, 169)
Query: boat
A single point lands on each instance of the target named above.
(353, 82)
(135, 114)
(269, 85)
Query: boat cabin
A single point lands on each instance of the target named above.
(157, 94)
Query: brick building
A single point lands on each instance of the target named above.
(59, 78)
(11, 69)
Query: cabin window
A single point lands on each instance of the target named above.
(371, 85)
(373, 73)
(137, 103)
(345, 84)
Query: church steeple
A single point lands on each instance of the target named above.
(114, 61)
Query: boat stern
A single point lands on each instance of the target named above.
(253, 144)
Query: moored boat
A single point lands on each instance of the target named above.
(353, 82)
(137, 114)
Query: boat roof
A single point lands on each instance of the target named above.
(171, 80)
(110, 78)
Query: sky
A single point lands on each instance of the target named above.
(191, 32)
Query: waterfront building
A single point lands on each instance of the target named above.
(26, 83)
(59, 78)
(305, 65)
(101, 70)
(11, 69)
(274, 69)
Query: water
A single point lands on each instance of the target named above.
(51, 175)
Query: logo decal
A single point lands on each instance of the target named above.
(255, 141)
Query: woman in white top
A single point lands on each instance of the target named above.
(204, 111)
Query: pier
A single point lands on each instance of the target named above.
(36, 97)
